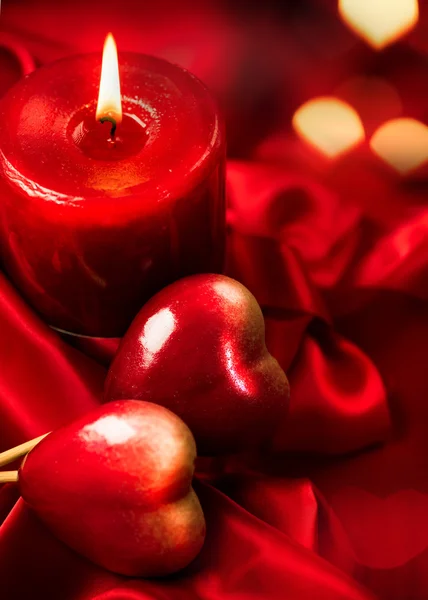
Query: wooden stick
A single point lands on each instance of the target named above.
(10, 455)
(8, 476)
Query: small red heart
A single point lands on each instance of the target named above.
(384, 533)
(116, 487)
(198, 348)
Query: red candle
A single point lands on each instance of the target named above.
(104, 204)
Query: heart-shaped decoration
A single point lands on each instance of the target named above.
(116, 487)
(198, 348)
(380, 22)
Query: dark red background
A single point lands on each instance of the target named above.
(337, 257)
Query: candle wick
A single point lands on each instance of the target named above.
(111, 120)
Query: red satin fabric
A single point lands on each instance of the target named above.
(336, 256)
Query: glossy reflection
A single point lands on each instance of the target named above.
(156, 333)
(116, 487)
(198, 348)
(232, 367)
(110, 430)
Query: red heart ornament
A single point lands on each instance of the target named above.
(116, 487)
(198, 348)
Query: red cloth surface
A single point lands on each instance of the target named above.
(336, 254)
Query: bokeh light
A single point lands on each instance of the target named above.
(330, 125)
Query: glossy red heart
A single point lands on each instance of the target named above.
(198, 348)
(116, 487)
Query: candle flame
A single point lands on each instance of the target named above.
(380, 22)
(109, 98)
(330, 125)
(402, 144)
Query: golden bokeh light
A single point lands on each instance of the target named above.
(330, 125)
(380, 22)
(402, 144)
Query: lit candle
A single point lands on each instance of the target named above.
(104, 203)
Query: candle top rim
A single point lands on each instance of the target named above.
(185, 130)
